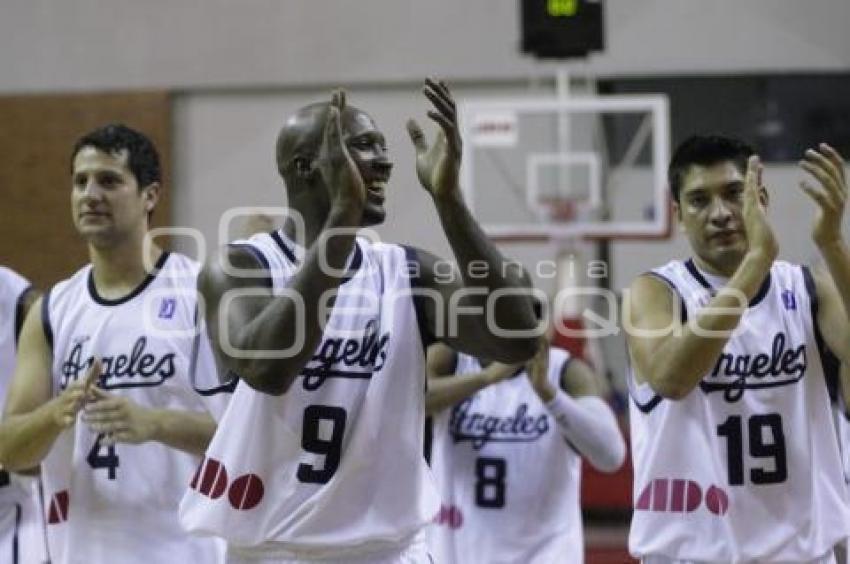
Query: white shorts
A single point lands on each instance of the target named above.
(828, 558)
(413, 552)
(21, 525)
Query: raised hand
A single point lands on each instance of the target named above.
(118, 418)
(537, 370)
(760, 234)
(438, 165)
(67, 404)
(339, 171)
(827, 166)
(497, 371)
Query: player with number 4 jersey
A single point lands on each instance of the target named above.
(105, 393)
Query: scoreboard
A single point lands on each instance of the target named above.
(562, 29)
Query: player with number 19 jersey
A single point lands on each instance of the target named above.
(508, 478)
(120, 503)
(746, 467)
(334, 467)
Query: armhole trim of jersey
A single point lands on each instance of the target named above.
(20, 314)
(683, 313)
(227, 387)
(811, 289)
(261, 258)
(275, 235)
(45, 318)
(562, 373)
(425, 334)
(644, 405)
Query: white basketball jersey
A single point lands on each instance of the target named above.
(746, 467)
(842, 427)
(335, 466)
(12, 286)
(119, 503)
(21, 526)
(508, 478)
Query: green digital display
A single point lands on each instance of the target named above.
(561, 8)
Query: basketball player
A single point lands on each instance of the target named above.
(21, 523)
(333, 470)
(508, 442)
(733, 445)
(115, 341)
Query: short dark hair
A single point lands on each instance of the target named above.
(142, 157)
(705, 150)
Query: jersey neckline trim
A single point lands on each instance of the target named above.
(697, 275)
(351, 270)
(138, 290)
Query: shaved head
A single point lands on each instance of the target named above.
(301, 134)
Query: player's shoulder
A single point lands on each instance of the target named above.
(11, 279)
(395, 258)
(12, 284)
(179, 263)
(783, 269)
(77, 282)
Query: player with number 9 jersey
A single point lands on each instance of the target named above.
(333, 468)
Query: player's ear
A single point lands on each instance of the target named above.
(677, 211)
(303, 167)
(764, 197)
(151, 193)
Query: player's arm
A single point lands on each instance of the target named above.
(482, 267)
(833, 286)
(252, 334)
(672, 356)
(832, 318)
(122, 420)
(24, 303)
(32, 420)
(445, 388)
(583, 417)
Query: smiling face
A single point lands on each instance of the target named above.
(298, 147)
(107, 205)
(709, 211)
(368, 149)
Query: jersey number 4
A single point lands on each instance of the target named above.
(323, 429)
(109, 461)
(766, 441)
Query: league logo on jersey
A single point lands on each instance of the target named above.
(139, 368)
(733, 374)
(167, 308)
(358, 357)
(480, 428)
(789, 300)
